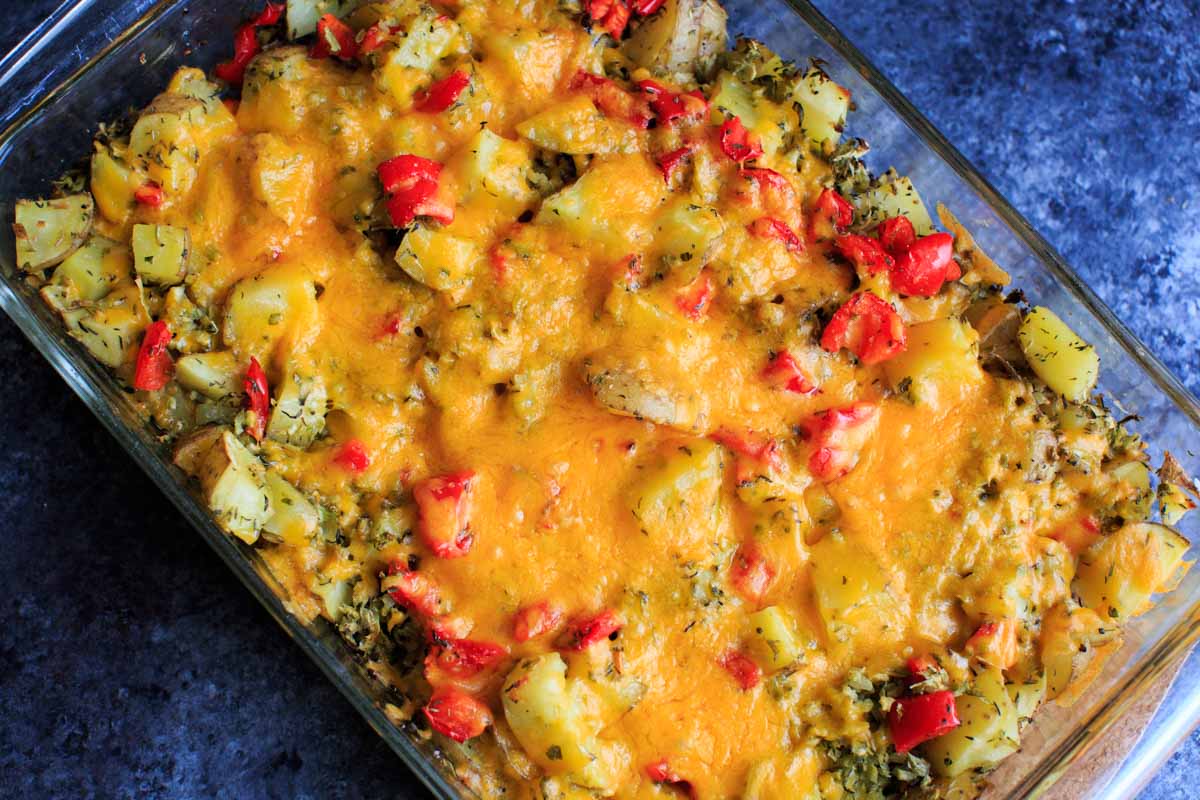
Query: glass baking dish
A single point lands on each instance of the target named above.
(93, 59)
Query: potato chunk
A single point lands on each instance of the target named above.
(1068, 364)
(47, 231)
(233, 481)
(161, 253)
(95, 269)
(1117, 575)
(988, 732)
(677, 503)
(553, 719)
(682, 40)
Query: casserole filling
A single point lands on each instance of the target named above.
(570, 361)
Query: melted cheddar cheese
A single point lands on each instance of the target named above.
(586, 449)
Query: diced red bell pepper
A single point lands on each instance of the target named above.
(258, 399)
(154, 364)
(644, 8)
(751, 574)
(1078, 534)
(611, 99)
(669, 106)
(832, 215)
(921, 717)
(670, 162)
(412, 183)
(460, 658)
(443, 93)
(896, 234)
(661, 772)
(868, 327)
(771, 228)
(919, 666)
(411, 589)
(837, 436)
(611, 15)
(444, 505)
(334, 38)
(995, 643)
(456, 714)
(742, 668)
(399, 171)
(694, 298)
(502, 257)
(245, 48)
(353, 456)
(535, 620)
(270, 15)
(149, 194)
(773, 194)
(866, 254)
(925, 266)
(586, 632)
(737, 142)
(375, 37)
(245, 44)
(784, 372)
(756, 446)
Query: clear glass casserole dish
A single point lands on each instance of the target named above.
(92, 59)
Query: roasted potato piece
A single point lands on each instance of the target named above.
(47, 231)
(298, 417)
(161, 253)
(233, 481)
(988, 733)
(1068, 364)
(214, 375)
(1117, 575)
(634, 393)
(682, 40)
(93, 270)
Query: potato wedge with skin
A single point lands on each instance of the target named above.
(682, 39)
(162, 143)
(1068, 364)
(161, 253)
(111, 330)
(634, 393)
(1118, 574)
(47, 231)
(113, 185)
(234, 484)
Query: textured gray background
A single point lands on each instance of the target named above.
(134, 665)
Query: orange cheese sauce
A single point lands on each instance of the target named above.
(587, 398)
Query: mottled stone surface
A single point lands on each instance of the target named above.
(134, 665)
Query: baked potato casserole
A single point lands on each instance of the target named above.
(565, 356)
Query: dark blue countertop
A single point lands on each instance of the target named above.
(135, 665)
